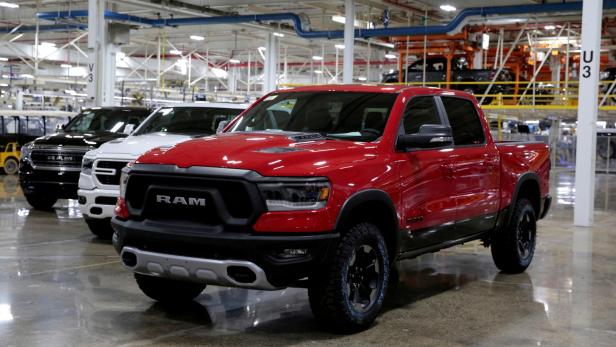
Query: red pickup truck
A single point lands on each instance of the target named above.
(325, 188)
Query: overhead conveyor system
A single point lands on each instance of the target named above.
(301, 26)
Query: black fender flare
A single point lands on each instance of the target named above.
(370, 195)
(529, 176)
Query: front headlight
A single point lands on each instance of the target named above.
(26, 150)
(86, 165)
(292, 196)
(124, 179)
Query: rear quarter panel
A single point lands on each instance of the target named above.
(518, 158)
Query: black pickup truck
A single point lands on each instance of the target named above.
(436, 71)
(49, 166)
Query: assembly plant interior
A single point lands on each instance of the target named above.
(278, 172)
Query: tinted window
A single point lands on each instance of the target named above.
(419, 111)
(343, 115)
(187, 120)
(464, 121)
(105, 120)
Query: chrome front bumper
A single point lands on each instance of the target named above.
(192, 269)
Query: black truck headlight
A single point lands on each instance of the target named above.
(86, 165)
(26, 150)
(292, 196)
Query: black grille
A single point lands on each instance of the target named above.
(107, 178)
(197, 200)
(57, 158)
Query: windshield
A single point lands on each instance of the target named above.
(343, 115)
(105, 120)
(187, 120)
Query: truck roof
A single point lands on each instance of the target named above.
(207, 104)
(377, 88)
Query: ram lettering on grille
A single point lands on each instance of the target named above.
(180, 200)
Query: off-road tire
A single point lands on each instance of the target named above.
(168, 291)
(100, 227)
(11, 166)
(41, 202)
(330, 290)
(513, 247)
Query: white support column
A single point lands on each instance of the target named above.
(349, 41)
(592, 13)
(270, 63)
(101, 68)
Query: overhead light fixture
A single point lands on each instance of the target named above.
(390, 56)
(175, 52)
(386, 44)
(48, 44)
(234, 61)
(197, 37)
(16, 37)
(339, 46)
(278, 34)
(361, 78)
(317, 57)
(3, 85)
(318, 71)
(67, 66)
(549, 27)
(26, 75)
(8, 4)
(448, 8)
(339, 19)
(4, 59)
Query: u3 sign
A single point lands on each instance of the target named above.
(587, 58)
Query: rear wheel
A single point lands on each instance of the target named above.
(41, 202)
(100, 227)
(168, 291)
(513, 247)
(348, 294)
(11, 167)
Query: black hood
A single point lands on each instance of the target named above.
(76, 139)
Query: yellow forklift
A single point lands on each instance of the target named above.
(9, 158)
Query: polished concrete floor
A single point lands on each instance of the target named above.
(59, 286)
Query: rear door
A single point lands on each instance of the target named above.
(426, 181)
(475, 165)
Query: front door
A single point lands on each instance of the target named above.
(426, 182)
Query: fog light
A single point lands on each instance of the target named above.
(293, 253)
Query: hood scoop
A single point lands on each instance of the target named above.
(279, 150)
(302, 137)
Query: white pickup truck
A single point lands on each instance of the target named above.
(167, 126)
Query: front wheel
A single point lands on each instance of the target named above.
(168, 291)
(348, 294)
(100, 227)
(11, 167)
(513, 247)
(41, 202)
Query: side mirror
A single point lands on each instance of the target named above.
(428, 136)
(221, 126)
(128, 129)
